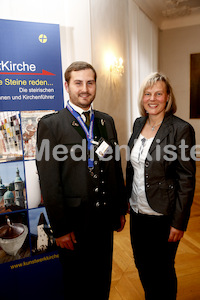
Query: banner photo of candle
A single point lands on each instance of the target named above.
(14, 239)
(10, 136)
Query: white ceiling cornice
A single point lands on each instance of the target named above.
(154, 10)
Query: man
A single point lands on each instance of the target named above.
(82, 186)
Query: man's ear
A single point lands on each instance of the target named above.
(66, 86)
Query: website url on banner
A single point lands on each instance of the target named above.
(34, 261)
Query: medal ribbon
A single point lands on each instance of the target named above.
(88, 132)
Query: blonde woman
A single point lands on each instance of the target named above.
(160, 186)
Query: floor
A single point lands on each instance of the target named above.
(125, 281)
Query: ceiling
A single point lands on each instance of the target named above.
(169, 14)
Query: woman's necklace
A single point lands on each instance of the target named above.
(153, 127)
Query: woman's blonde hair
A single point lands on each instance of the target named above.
(149, 81)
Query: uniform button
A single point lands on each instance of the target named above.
(147, 176)
(98, 204)
(96, 190)
(101, 171)
(147, 185)
(95, 162)
(104, 193)
(147, 164)
(103, 182)
(104, 203)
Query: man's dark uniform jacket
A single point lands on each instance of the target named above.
(69, 190)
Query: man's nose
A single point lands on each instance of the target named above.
(84, 87)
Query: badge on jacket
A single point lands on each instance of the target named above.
(103, 148)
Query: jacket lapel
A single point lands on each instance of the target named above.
(100, 127)
(163, 131)
(136, 131)
(75, 124)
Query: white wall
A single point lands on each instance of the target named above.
(176, 45)
(110, 37)
(143, 52)
(122, 29)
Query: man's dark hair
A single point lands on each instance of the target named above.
(78, 66)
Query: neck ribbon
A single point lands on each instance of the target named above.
(88, 132)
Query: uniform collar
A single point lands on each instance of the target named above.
(78, 109)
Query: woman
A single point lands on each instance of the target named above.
(160, 186)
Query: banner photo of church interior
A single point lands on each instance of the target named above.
(29, 121)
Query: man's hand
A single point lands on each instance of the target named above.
(66, 241)
(122, 222)
(175, 235)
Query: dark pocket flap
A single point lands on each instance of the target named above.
(73, 202)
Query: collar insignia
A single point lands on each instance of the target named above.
(75, 124)
(102, 122)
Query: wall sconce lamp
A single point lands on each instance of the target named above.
(116, 67)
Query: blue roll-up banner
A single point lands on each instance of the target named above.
(30, 87)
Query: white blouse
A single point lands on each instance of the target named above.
(138, 200)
